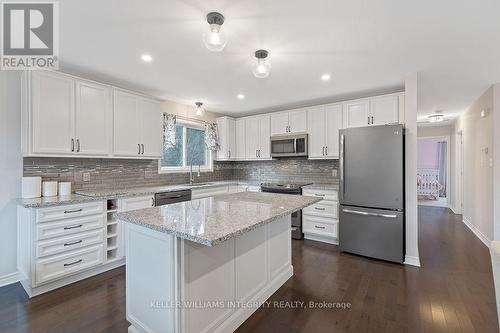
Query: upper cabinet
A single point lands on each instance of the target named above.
(227, 139)
(240, 139)
(324, 123)
(137, 126)
(289, 122)
(67, 116)
(257, 137)
(379, 110)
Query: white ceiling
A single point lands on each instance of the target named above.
(367, 46)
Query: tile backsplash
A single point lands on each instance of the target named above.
(120, 173)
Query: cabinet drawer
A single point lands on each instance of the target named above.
(58, 266)
(323, 208)
(69, 243)
(318, 227)
(64, 212)
(326, 195)
(69, 227)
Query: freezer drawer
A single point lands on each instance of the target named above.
(373, 233)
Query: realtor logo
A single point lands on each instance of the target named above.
(29, 35)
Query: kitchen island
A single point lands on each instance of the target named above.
(206, 265)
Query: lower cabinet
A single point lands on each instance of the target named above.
(320, 221)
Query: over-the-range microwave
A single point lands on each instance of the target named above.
(289, 145)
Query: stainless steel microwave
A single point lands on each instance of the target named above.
(289, 145)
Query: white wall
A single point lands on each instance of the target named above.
(429, 131)
(411, 107)
(11, 167)
(478, 148)
(187, 111)
(496, 161)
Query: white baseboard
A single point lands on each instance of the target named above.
(324, 239)
(452, 208)
(412, 261)
(476, 232)
(9, 279)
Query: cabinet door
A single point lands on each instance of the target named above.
(265, 137)
(240, 138)
(333, 125)
(92, 119)
(152, 127)
(126, 125)
(252, 132)
(231, 138)
(356, 113)
(222, 153)
(316, 129)
(297, 120)
(384, 110)
(53, 104)
(135, 203)
(279, 123)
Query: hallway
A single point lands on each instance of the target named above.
(451, 292)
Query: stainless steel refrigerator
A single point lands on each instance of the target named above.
(371, 193)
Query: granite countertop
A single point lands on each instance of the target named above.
(138, 191)
(213, 220)
(324, 187)
(54, 201)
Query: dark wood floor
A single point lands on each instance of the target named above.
(451, 292)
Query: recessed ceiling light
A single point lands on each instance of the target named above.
(146, 58)
(325, 77)
(240, 96)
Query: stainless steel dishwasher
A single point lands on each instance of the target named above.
(166, 198)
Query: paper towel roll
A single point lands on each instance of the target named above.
(31, 187)
(64, 188)
(49, 189)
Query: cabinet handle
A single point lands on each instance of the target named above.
(152, 202)
(319, 227)
(73, 227)
(142, 145)
(372, 120)
(326, 150)
(319, 195)
(319, 208)
(259, 153)
(72, 211)
(73, 263)
(73, 243)
(77, 145)
(139, 145)
(368, 120)
(72, 145)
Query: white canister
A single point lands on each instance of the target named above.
(49, 189)
(31, 187)
(64, 188)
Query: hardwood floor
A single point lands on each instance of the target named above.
(451, 292)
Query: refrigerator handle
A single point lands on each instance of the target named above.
(342, 170)
(357, 212)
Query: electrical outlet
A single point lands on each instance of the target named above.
(86, 176)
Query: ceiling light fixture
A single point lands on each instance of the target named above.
(436, 118)
(146, 57)
(200, 111)
(325, 77)
(240, 96)
(215, 40)
(261, 67)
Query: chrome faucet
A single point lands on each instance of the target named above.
(191, 178)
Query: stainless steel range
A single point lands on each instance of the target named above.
(288, 188)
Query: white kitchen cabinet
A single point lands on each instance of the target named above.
(240, 139)
(378, 110)
(257, 134)
(209, 192)
(324, 123)
(137, 126)
(134, 203)
(151, 128)
(356, 113)
(320, 220)
(384, 110)
(92, 119)
(289, 122)
(53, 108)
(226, 127)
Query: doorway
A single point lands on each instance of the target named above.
(433, 171)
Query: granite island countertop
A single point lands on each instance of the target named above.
(213, 220)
